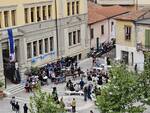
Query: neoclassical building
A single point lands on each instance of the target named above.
(43, 31)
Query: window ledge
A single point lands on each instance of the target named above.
(70, 47)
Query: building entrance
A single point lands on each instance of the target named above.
(10, 72)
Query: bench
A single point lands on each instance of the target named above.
(80, 93)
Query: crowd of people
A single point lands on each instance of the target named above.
(56, 72)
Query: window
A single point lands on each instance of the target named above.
(26, 15)
(125, 57)
(127, 32)
(46, 45)
(80, 56)
(92, 33)
(68, 8)
(38, 14)
(0, 20)
(13, 15)
(74, 37)
(44, 12)
(102, 29)
(79, 36)
(70, 38)
(49, 11)
(32, 14)
(147, 38)
(73, 8)
(29, 55)
(77, 7)
(6, 18)
(35, 48)
(51, 44)
(40, 46)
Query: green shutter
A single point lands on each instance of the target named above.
(147, 38)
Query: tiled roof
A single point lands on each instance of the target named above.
(131, 16)
(144, 21)
(98, 13)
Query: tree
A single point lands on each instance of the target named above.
(43, 102)
(144, 80)
(120, 94)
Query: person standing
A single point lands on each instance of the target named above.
(12, 102)
(62, 104)
(85, 93)
(73, 104)
(89, 92)
(91, 111)
(81, 84)
(25, 108)
(17, 107)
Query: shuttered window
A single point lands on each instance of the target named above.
(147, 38)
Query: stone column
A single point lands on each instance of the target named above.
(46, 12)
(22, 57)
(37, 47)
(32, 50)
(29, 15)
(3, 20)
(41, 12)
(1, 64)
(43, 44)
(35, 13)
(10, 18)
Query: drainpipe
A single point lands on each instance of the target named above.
(56, 23)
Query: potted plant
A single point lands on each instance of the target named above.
(1, 90)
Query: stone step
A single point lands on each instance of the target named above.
(14, 89)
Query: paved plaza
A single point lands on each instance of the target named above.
(82, 106)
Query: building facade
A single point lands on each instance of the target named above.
(130, 37)
(101, 23)
(43, 30)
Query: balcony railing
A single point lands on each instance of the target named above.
(116, 2)
(141, 47)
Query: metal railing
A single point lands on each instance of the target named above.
(141, 47)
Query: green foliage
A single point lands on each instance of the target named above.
(120, 94)
(43, 102)
(144, 82)
(1, 84)
(34, 70)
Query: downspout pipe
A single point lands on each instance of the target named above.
(56, 23)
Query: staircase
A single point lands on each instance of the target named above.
(14, 89)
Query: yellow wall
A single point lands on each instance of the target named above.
(120, 34)
(61, 7)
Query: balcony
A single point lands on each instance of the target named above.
(144, 48)
(116, 2)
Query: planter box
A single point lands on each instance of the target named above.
(2, 94)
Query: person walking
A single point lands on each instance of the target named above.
(73, 104)
(17, 107)
(25, 108)
(12, 102)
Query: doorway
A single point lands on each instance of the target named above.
(125, 57)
